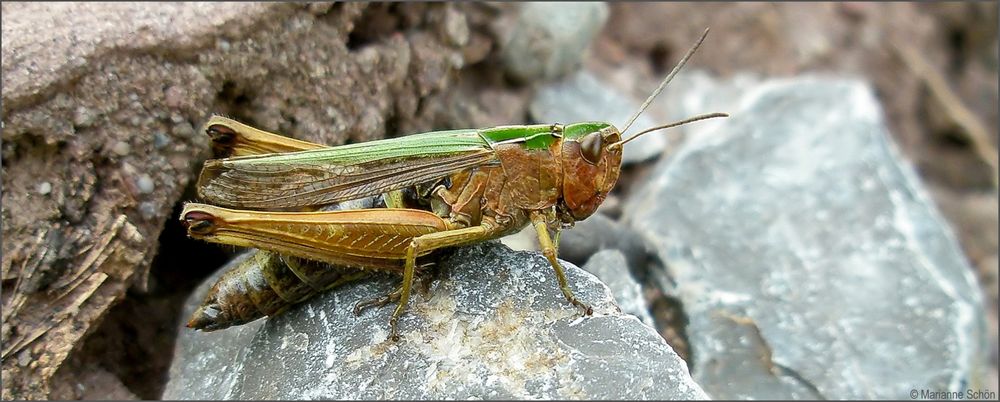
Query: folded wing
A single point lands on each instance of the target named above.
(336, 174)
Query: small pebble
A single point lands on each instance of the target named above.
(456, 27)
(367, 58)
(44, 188)
(160, 140)
(224, 45)
(24, 358)
(182, 130)
(145, 184)
(319, 72)
(148, 210)
(174, 96)
(83, 116)
(62, 99)
(121, 148)
(457, 60)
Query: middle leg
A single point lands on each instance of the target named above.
(426, 243)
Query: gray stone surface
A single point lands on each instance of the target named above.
(599, 232)
(807, 254)
(549, 39)
(611, 268)
(582, 97)
(525, 240)
(493, 325)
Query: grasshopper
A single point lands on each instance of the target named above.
(479, 184)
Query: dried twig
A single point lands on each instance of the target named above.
(975, 131)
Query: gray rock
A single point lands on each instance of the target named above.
(548, 40)
(599, 232)
(611, 268)
(809, 259)
(582, 97)
(525, 240)
(493, 325)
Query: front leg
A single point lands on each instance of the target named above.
(539, 221)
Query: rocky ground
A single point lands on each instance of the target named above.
(835, 238)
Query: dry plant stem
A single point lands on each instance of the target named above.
(974, 130)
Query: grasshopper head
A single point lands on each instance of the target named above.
(590, 166)
(592, 153)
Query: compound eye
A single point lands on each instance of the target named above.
(592, 146)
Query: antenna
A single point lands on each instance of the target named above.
(675, 124)
(664, 83)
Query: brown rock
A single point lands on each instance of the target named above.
(81, 79)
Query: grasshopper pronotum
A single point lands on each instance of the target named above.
(479, 184)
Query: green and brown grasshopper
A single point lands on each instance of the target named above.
(477, 184)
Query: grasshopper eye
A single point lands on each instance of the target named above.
(591, 147)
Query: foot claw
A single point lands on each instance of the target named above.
(393, 332)
(377, 302)
(587, 310)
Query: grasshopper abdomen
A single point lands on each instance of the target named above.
(263, 285)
